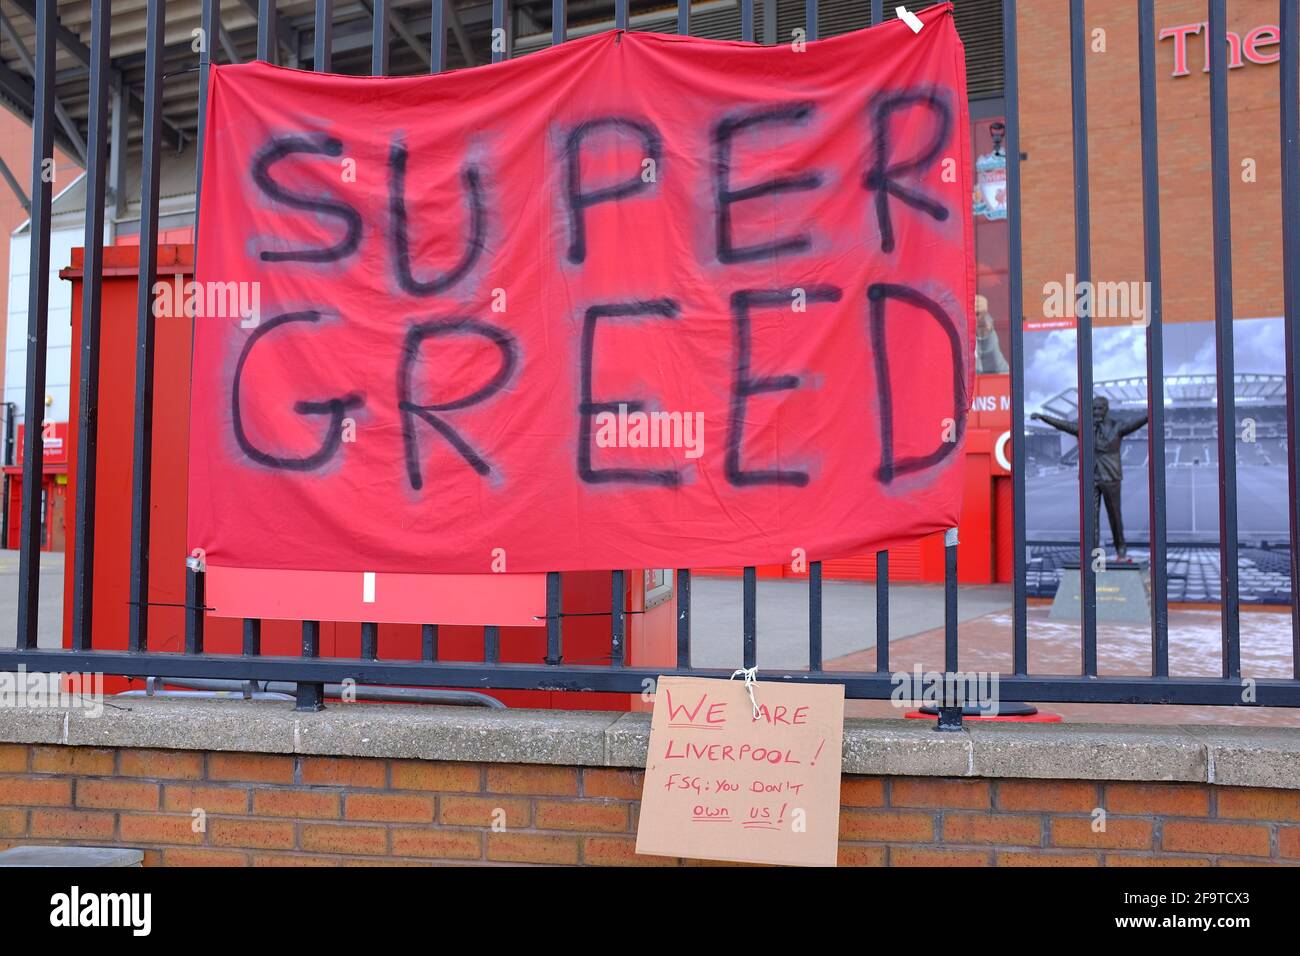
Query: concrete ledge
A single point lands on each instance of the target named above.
(1091, 752)
(456, 733)
(1229, 756)
(1250, 756)
(77, 856)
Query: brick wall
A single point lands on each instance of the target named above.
(268, 810)
(1115, 166)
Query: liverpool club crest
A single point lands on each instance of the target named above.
(991, 178)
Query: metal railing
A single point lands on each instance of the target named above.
(312, 673)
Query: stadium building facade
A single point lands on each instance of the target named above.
(1119, 296)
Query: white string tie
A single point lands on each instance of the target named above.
(750, 675)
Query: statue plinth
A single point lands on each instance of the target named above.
(1123, 594)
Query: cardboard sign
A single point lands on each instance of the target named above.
(721, 784)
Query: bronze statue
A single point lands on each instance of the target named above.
(1108, 436)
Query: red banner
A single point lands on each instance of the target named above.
(637, 301)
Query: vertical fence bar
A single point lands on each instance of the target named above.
(1226, 407)
(379, 39)
(1015, 296)
(195, 602)
(815, 568)
(370, 641)
(617, 621)
(320, 63)
(311, 638)
(554, 603)
(1155, 339)
(1088, 530)
(1289, 83)
(815, 616)
(882, 611)
(83, 561)
(142, 477)
(749, 616)
(438, 36)
(684, 17)
(951, 651)
(208, 22)
(950, 712)
(266, 27)
(310, 696)
(874, 15)
(559, 22)
(38, 302)
(437, 63)
(683, 619)
(500, 31)
(620, 14)
(747, 20)
(492, 644)
(949, 716)
(324, 37)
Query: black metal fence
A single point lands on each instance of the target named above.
(312, 672)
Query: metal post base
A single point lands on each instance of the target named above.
(949, 719)
(1009, 709)
(309, 697)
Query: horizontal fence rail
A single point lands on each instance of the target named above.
(323, 37)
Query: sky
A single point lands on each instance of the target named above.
(1120, 352)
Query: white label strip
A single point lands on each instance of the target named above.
(911, 19)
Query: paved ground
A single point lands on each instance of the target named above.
(1194, 650)
(848, 618)
(50, 623)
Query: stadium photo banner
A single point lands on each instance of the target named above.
(635, 301)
